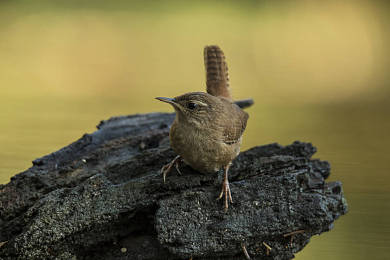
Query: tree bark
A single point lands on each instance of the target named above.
(103, 197)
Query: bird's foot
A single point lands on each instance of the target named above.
(167, 168)
(226, 191)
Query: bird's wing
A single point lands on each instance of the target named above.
(217, 76)
(237, 124)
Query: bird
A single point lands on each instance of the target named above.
(208, 127)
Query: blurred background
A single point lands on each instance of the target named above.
(317, 70)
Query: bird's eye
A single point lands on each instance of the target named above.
(191, 105)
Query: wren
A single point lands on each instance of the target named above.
(207, 130)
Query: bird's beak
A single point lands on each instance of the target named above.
(167, 100)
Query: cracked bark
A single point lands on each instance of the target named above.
(103, 197)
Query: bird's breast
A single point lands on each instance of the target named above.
(201, 148)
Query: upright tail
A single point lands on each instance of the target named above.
(217, 76)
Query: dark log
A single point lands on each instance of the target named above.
(103, 197)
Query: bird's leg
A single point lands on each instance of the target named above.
(225, 188)
(167, 168)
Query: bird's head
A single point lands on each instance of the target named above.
(196, 107)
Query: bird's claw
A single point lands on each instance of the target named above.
(167, 168)
(226, 191)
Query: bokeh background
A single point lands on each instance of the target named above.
(317, 70)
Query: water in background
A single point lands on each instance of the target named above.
(318, 72)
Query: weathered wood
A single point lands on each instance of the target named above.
(102, 197)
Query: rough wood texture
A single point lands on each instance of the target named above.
(102, 197)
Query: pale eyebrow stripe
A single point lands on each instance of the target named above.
(199, 103)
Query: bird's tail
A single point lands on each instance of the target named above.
(217, 76)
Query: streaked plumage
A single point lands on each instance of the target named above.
(208, 127)
(217, 75)
(213, 131)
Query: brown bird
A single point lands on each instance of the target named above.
(207, 130)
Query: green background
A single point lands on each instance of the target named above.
(317, 70)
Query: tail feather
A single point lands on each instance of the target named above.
(217, 76)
